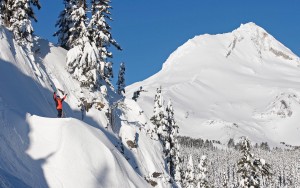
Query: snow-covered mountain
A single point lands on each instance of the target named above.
(83, 150)
(224, 86)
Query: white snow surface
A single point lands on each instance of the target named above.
(39, 150)
(74, 154)
(242, 83)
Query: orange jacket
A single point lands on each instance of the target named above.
(58, 101)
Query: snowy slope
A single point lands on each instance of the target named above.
(39, 150)
(77, 151)
(62, 153)
(227, 85)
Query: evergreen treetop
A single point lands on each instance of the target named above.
(121, 79)
(17, 16)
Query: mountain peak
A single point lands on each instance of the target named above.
(263, 41)
(248, 40)
(250, 26)
(254, 31)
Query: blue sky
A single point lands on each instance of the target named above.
(149, 31)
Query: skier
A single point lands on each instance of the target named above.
(58, 102)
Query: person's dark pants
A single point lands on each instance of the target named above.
(59, 111)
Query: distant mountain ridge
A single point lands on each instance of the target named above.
(230, 78)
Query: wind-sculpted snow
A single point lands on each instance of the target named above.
(233, 77)
(78, 155)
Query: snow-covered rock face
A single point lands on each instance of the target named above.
(231, 80)
(263, 42)
(282, 107)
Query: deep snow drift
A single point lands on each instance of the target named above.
(228, 85)
(39, 150)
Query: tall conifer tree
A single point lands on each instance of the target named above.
(100, 33)
(172, 132)
(121, 79)
(159, 118)
(82, 57)
(189, 180)
(202, 173)
(64, 23)
(251, 170)
(87, 41)
(17, 15)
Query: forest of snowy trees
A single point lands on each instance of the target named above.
(223, 163)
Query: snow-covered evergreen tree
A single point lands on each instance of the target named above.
(189, 177)
(17, 15)
(298, 164)
(82, 58)
(6, 7)
(177, 161)
(87, 41)
(297, 178)
(78, 32)
(202, 174)
(172, 132)
(224, 180)
(121, 79)
(99, 27)
(166, 139)
(106, 71)
(263, 171)
(245, 166)
(100, 33)
(251, 170)
(64, 24)
(5, 12)
(159, 118)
